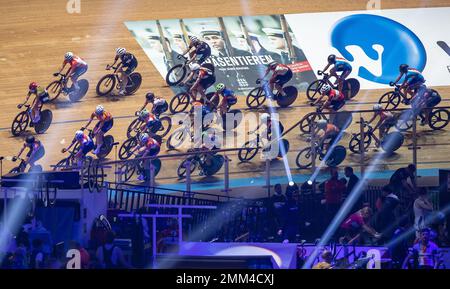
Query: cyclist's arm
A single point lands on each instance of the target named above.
(266, 73)
(319, 99)
(62, 68)
(115, 61)
(326, 67)
(145, 104)
(89, 122)
(213, 98)
(196, 83)
(398, 78)
(378, 124)
(374, 116)
(187, 50)
(71, 144)
(21, 151)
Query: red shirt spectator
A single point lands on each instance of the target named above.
(334, 190)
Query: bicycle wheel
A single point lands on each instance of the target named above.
(256, 97)
(181, 170)
(355, 143)
(216, 165)
(126, 147)
(106, 85)
(128, 170)
(179, 102)
(439, 119)
(134, 82)
(291, 96)
(390, 100)
(304, 158)
(107, 146)
(248, 153)
(313, 90)
(176, 139)
(403, 123)
(166, 125)
(392, 142)
(20, 123)
(54, 89)
(176, 74)
(44, 123)
(336, 157)
(305, 123)
(136, 123)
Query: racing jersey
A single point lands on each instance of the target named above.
(127, 59)
(281, 69)
(342, 65)
(105, 116)
(75, 62)
(331, 128)
(335, 95)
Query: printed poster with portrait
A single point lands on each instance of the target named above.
(241, 47)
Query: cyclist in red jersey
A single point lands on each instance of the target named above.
(281, 74)
(147, 147)
(204, 79)
(77, 68)
(335, 101)
(105, 123)
(386, 121)
(330, 131)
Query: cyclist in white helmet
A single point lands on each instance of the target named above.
(334, 99)
(281, 74)
(86, 145)
(77, 68)
(127, 64)
(198, 50)
(105, 123)
(386, 121)
(147, 147)
(326, 131)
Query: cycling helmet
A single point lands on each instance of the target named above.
(144, 138)
(150, 96)
(325, 89)
(121, 51)
(144, 114)
(264, 117)
(322, 124)
(68, 56)
(272, 64)
(79, 134)
(29, 139)
(99, 109)
(332, 59)
(33, 86)
(377, 106)
(220, 87)
(403, 68)
(193, 39)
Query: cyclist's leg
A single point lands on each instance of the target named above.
(36, 110)
(78, 72)
(32, 159)
(123, 80)
(341, 79)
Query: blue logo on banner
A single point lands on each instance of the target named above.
(399, 45)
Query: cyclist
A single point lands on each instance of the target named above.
(77, 68)
(226, 96)
(204, 79)
(267, 126)
(36, 150)
(330, 131)
(335, 101)
(41, 98)
(281, 74)
(203, 146)
(105, 123)
(198, 50)
(159, 104)
(413, 80)
(199, 107)
(151, 122)
(86, 145)
(424, 100)
(127, 65)
(386, 121)
(148, 147)
(339, 65)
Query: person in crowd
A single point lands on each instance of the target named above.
(277, 202)
(423, 253)
(37, 257)
(85, 258)
(334, 190)
(399, 180)
(356, 227)
(352, 181)
(110, 256)
(386, 219)
(290, 218)
(327, 258)
(422, 209)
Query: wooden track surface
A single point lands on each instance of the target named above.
(36, 34)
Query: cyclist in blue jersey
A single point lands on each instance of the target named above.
(226, 96)
(339, 65)
(86, 145)
(413, 80)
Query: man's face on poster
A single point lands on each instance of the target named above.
(180, 43)
(156, 45)
(215, 41)
(277, 42)
(243, 43)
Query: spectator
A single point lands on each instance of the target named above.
(356, 226)
(351, 183)
(399, 249)
(37, 258)
(334, 190)
(386, 214)
(110, 256)
(84, 255)
(290, 217)
(278, 201)
(422, 209)
(327, 258)
(19, 258)
(423, 253)
(399, 180)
